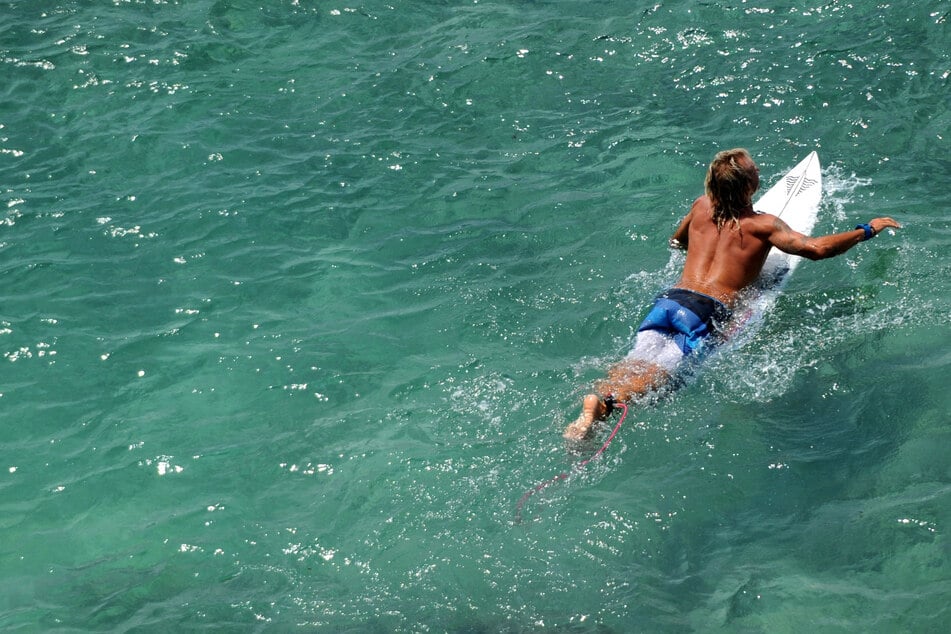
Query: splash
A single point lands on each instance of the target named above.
(840, 190)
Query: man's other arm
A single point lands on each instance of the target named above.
(679, 239)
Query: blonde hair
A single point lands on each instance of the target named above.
(731, 181)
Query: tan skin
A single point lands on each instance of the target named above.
(721, 262)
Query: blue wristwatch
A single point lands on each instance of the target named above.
(867, 228)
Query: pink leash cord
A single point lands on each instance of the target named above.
(563, 476)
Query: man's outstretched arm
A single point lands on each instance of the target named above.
(786, 239)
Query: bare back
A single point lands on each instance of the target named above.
(722, 261)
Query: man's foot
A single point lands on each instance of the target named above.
(592, 409)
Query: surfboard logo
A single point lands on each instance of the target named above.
(804, 183)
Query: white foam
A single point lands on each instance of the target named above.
(840, 190)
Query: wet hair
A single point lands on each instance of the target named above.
(731, 181)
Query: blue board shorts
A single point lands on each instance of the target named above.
(676, 327)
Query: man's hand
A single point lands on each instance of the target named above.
(878, 224)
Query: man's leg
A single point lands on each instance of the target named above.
(626, 381)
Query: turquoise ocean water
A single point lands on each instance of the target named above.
(297, 297)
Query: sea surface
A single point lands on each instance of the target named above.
(297, 297)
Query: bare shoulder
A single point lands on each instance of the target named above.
(701, 209)
(701, 203)
(765, 224)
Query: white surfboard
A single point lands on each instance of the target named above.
(794, 198)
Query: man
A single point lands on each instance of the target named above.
(727, 243)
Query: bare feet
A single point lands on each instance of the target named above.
(627, 380)
(592, 409)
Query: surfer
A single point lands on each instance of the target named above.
(727, 243)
